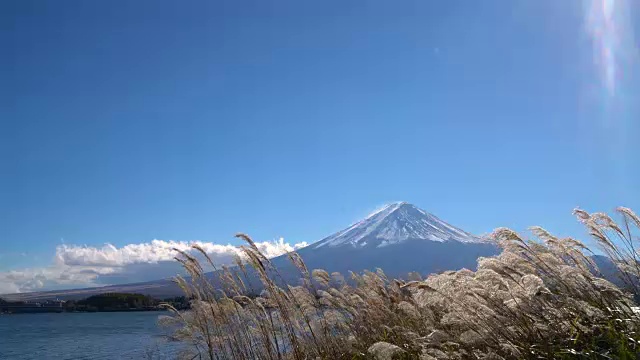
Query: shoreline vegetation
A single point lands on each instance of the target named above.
(107, 302)
(538, 299)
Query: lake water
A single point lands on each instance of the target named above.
(113, 335)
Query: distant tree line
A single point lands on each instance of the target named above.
(6, 302)
(124, 302)
(98, 303)
(114, 302)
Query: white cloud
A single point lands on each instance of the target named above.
(85, 266)
(8, 288)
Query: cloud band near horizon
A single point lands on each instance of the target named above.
(75, 266)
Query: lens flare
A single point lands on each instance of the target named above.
(610, 28)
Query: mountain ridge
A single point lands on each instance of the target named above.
(399, 238)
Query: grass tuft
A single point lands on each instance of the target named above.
(538, 299)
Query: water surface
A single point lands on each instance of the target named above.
(112, 335)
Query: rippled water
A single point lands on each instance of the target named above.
(124, 335)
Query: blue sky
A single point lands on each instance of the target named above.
(123, 122)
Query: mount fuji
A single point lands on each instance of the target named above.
(394, 224)
(399, 238)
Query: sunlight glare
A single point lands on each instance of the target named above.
(610, 28)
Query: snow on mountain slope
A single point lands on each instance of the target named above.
(396, 223)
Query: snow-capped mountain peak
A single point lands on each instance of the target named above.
(394, 223)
